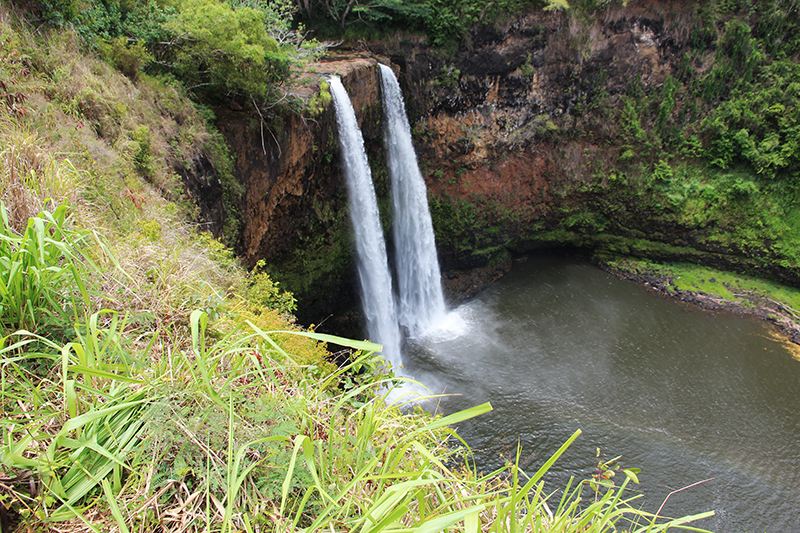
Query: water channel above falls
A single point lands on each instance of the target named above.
(558, 345)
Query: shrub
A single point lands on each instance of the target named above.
(739, 56)
(662, 173)
(320, 101)
(143, 158)
(226, 48)
(263, 292)
(128, 57)
(59, 12)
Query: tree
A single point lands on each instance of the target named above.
(219, 46)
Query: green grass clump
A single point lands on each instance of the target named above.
(40, 286)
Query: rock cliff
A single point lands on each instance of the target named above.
(294, 205)
(512, 126)
(520, 140)
(526, 144)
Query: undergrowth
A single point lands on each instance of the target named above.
(216, 423)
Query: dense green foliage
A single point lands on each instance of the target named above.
(444, 22)
(217, 49)
(40, 288)
(727, 158)
(227, 48)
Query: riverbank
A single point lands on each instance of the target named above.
(715, 291)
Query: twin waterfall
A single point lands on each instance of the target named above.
(418, 303)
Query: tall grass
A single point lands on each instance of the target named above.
(223, 430)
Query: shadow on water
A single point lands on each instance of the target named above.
(685, 395)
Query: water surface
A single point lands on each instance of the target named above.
(558, 345)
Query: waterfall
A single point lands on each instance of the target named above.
(373, 267)
(420, 301)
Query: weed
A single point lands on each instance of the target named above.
(320, 101)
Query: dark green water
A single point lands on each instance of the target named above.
(558, 345)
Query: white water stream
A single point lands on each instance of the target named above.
(373, 268)
(420, 303)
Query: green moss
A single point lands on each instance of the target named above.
(315, 268)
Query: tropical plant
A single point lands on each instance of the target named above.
(227, 49)
(40, 282)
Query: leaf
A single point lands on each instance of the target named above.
(93, 372)
(112, 504)
(350, 343)
(388, 503)
(82, 420)
(287, 481)
(441, 522)
(455, 418)
(472, 521)
(631, 473)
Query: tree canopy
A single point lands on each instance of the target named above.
(226, 47)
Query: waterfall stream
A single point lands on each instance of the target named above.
(373, 268)
(420, 302)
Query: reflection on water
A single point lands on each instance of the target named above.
(558, 345)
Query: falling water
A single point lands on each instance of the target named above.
(373, 268)
(420, 300)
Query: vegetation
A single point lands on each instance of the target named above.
(147, 382)
(724, 161)
(444, 22)
(745, 290)
(235, 49)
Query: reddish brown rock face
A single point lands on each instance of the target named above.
(517, 182)
(292, 160)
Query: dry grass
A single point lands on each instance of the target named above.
(74, 138)
(86, 112)
(30, 177)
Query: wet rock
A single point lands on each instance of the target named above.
(460, 285)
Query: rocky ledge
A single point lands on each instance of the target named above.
(783, 317)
